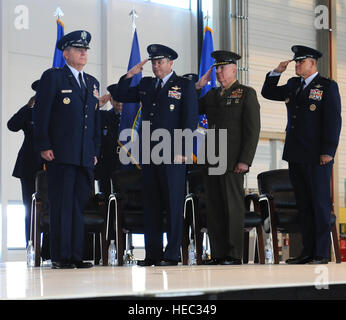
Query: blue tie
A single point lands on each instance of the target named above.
(82, 85)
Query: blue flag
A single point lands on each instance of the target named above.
(58, 60)
(131, 112)
(206, 62)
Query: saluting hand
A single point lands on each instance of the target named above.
(104, 99)
(136, 69)
(47, 155)
(204, 79)
(282, 66)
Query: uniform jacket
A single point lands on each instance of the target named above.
(66, 122)
(108, 160)
(28, 160)
(238, 111)
(314, 117)
(175, 107)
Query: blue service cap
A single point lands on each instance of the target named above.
(224, 57)
(34, 85)
(77, 39)
(303, 52)
(159, 51)
(112, 89)
(191, 76)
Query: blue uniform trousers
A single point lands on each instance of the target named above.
(163, 188)
(311, 183)
(69, 188)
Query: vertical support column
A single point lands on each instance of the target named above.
(106, 43)
(3, 127)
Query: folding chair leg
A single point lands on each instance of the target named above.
(37, 234)
(260, 244)
(335, 242)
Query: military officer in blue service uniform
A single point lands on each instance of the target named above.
(169, 102)
(312, 136)
(108, 160)
(67, 133)
(28, 160)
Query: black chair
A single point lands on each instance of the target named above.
(195, 207)
(94, 219)
(279, 210)
(125, 213)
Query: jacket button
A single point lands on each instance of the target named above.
(154, 104)
(86, 127)
(151, 114)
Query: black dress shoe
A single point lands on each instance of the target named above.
(229, 261)
(146, 262)
(81, 264)
(211, 262)
(62, 265)
(319, 260)
(302, 259)
(166, 263)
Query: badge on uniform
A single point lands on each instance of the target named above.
(66, 91)
(174, 94)
(316, 94)
(236, 94)
(96, 92)
(66, 100)
(171, 107)
(313, 107)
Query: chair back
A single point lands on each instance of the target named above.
(277, 184)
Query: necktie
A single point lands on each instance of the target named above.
(300, 89)
(158, 87)
(82, 85)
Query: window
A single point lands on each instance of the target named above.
(185, 4)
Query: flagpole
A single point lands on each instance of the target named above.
(58, 13)
(133, 14)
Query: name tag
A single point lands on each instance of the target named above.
(66, 91)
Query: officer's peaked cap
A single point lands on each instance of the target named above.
(159, 51)
(224, 57)
(77, 39)
(303, 52)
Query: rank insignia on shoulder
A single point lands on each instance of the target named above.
(316, 94)
(66, 100)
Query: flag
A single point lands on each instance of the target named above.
(131, 112)
(58, 60)
(206, 62)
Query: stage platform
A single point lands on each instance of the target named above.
(251, 281)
